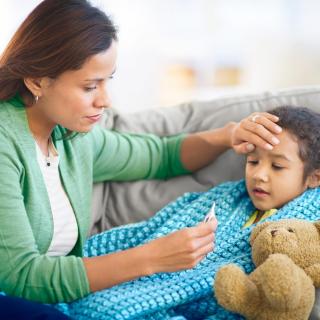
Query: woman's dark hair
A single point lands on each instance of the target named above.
(304, 124)
(58, 35)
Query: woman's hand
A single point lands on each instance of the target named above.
(182, 249)
(257, 130)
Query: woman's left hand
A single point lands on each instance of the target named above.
(257, 130)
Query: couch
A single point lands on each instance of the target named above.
(121, 203)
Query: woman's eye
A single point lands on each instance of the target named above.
(90, 88)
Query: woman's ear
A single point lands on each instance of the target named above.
(34, 85)
(313, 179)
(37, 85)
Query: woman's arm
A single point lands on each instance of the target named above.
(180, 250)
(200, 149)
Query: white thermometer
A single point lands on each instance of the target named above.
(211, 214)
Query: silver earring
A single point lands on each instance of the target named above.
(36, 98)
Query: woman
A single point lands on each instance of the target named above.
(53, 78)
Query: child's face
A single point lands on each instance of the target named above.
(275, 177)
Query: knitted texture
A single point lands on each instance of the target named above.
(186, 294)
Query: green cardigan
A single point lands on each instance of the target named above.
(26, 226)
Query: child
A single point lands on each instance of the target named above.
(280, 183)
(275, 177)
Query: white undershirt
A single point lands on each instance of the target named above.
(65, 228)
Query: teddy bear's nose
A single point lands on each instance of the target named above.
(273, 232)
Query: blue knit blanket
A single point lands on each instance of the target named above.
(186, 294)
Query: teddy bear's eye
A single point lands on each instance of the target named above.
(290, 230)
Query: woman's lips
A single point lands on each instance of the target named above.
(94, 118)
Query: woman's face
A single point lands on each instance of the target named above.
(77, 98)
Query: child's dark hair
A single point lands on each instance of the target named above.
(304, 124)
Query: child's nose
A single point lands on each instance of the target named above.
(261, 175)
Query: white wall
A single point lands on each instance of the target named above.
(272, 43)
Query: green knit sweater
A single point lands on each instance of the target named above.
(26, 226)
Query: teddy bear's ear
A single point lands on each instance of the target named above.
(317, 225)
(257, 230)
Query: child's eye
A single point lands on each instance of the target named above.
(276, 166)
(252, 162)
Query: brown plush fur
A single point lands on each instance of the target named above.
(287, 256)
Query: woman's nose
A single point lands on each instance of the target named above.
(103, 100)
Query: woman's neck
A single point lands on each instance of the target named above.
(40, 128)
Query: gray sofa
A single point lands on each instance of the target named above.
(120, 203)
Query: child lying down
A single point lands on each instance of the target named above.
(279, 184)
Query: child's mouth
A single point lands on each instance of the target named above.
(258, 192)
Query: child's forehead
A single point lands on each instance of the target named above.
(286, 137)
(287, 148)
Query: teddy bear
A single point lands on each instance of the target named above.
(286, 254)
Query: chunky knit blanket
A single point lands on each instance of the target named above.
(187, 294)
